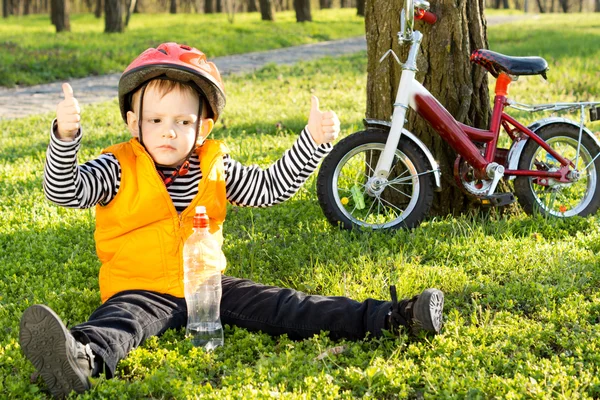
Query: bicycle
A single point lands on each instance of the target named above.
(384, 177)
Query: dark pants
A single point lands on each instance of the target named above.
(128, 318)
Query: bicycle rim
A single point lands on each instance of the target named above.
(564, 199)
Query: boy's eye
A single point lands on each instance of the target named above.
(185, 122)
(155, 120)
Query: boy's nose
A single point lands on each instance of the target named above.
(169, 134)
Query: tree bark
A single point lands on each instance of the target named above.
(98, 11)
(443, 68)
(597, 6)
(130, 7)
(26, 7)
(360, 8)
(325, 4)
(173, 7)
(60, 15)
(267, 10)
(113, 16)
(302, 8)
(252, 6)
(210, 6)
(5, 8)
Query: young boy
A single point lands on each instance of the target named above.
(145, 191)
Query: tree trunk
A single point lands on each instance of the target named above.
(360, 8)
(59, 10)
(443, 68)
(173, 7)
(210, 6)
(325, 4)
(541, 6)
(5, 8)
(597, 6)
(267, 10)
(113, 16)
(302, 8)
(26, 7)
(252, 6)
(564, 5)
(130, 7)
(99, 6)
(505, 4)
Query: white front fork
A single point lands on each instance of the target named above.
(384, 164)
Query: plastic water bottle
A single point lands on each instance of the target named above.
(203, 262)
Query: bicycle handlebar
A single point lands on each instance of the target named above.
(414, 9)
(425, 16)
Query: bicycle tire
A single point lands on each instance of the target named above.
(558, 199)
(339, 203)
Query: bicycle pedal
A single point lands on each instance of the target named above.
(498, 199)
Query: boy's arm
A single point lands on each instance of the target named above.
(253, 187)
(78, 186)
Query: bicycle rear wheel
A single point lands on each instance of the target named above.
(351, 197)
(579, 197)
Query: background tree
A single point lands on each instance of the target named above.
(59, 15)
(444, 69)
(302, 8)
(325, 3)
(267, 10)
(5, 8)
(360, 8)
(98, 9)
(173, 7)
(130, 6)
(113, 16)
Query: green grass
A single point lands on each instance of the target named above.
(523, 306)
(33, 53)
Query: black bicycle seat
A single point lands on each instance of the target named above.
(497, 63)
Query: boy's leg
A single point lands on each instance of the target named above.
(279, 311)
(125, 321)
(64, 359)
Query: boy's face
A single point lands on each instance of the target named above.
(169, 125)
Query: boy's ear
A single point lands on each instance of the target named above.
(132, 123)
(206, 127)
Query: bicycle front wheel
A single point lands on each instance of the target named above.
(350, 196)
(560, 199)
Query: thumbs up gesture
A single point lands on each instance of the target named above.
(68, 115)
(324, 127)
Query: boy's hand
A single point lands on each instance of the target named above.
(324, 127)
(68, 115)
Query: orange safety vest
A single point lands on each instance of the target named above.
(139, 235)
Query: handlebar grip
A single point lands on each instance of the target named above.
(426, 16)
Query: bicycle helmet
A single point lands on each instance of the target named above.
(176, 62)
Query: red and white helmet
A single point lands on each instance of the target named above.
(176, 62)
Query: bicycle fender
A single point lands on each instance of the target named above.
(386, 126)
(517, 148)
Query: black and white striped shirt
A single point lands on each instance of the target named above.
(97, 181)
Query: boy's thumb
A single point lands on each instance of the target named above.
(314, 103)
(67, 90)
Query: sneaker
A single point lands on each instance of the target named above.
(64, 363)
(421, 313)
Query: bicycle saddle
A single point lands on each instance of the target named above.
(497, 63)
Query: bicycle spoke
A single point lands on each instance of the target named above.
(399, 191)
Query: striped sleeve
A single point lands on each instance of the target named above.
(253, 187)
(79, 186)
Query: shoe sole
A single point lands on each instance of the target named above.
(47, 343)
(428, 311)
